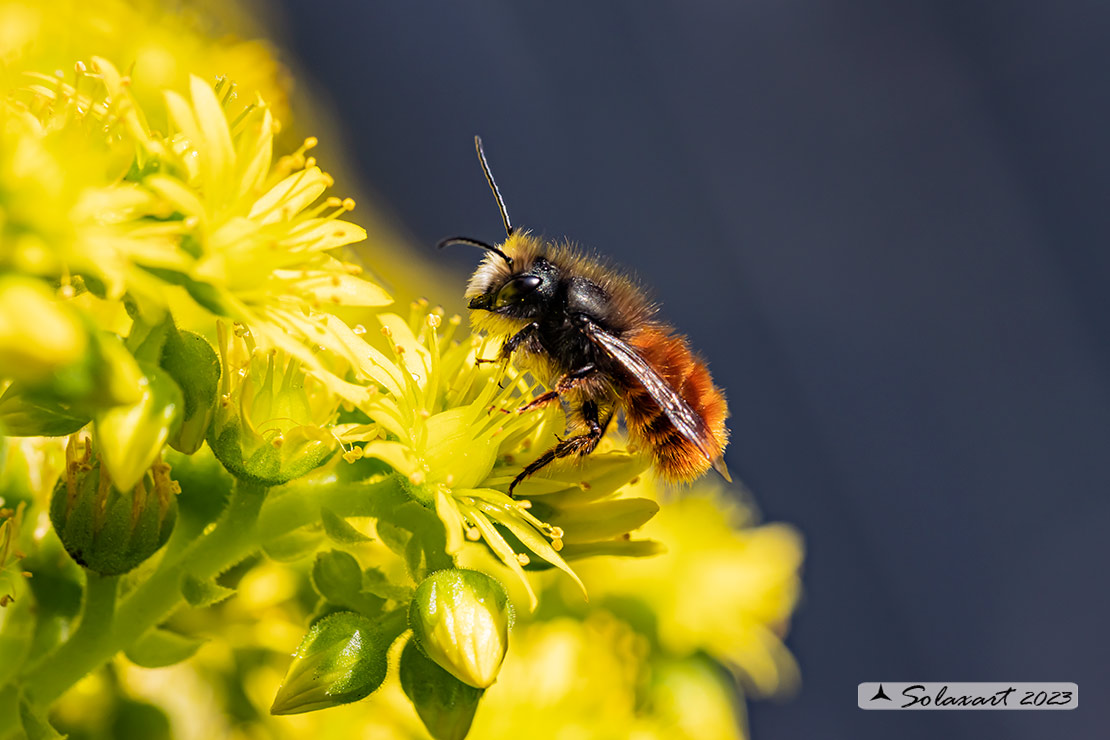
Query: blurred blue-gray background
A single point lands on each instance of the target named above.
(886, 227)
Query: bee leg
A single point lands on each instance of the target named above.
(516, 340)
(582, 444)
(565, 383)
(510, 345)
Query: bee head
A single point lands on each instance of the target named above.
(516, 281)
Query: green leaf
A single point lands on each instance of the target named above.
(415, 560)
(295, 545)
(445, 704)
(376, 582)
(25, 413)
(338, 578)
(137, 719)
(194, 365)
(203, 593)
(159, 647)
(339, 529)
(426, 550)
(394, 537)
(35, 724)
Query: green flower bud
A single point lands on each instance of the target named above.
(445, 704)
(131, 437)
(107, 529)
(460, 619)
(194, 365)
(272, 421)
(341, 659)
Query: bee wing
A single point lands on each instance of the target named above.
(688, 422)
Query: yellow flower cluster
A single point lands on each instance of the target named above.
(140, 198)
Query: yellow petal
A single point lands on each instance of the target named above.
(290, 196)
(498, 544)
(217, 154)
(530, 538)
(453, 524)
(181, 197)
(320, 234)
(335, 288)
(181, 114)
(255, 148)
(396, 455)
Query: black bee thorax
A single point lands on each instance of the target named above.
(564, 342)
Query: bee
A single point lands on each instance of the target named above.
(590, 334)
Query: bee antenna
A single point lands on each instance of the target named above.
(493, 186)
(475, 243)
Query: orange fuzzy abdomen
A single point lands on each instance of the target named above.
(676, 457)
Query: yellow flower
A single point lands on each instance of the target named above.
(97, 193)
(164, 47)
(257, 233)
(272, 422)
(592, 679)
(722, 587)
(449, 425)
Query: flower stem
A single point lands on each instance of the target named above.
(244, 526)
(154, 600)
(299, 505)
(96, 621)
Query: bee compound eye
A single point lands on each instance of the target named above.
(516, 289)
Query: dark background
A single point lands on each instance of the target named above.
(885, 224)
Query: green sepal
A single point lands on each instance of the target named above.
(376, 582)
(339, 530)
(208, 296)
(338, 577)
(198, 592)
(159, 647)
(426, 549)
(445, 704)
(293, 546)
(71, 396)
(265, 464)
(394, 537)
(195, 366)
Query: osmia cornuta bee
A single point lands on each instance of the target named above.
(590, 334)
